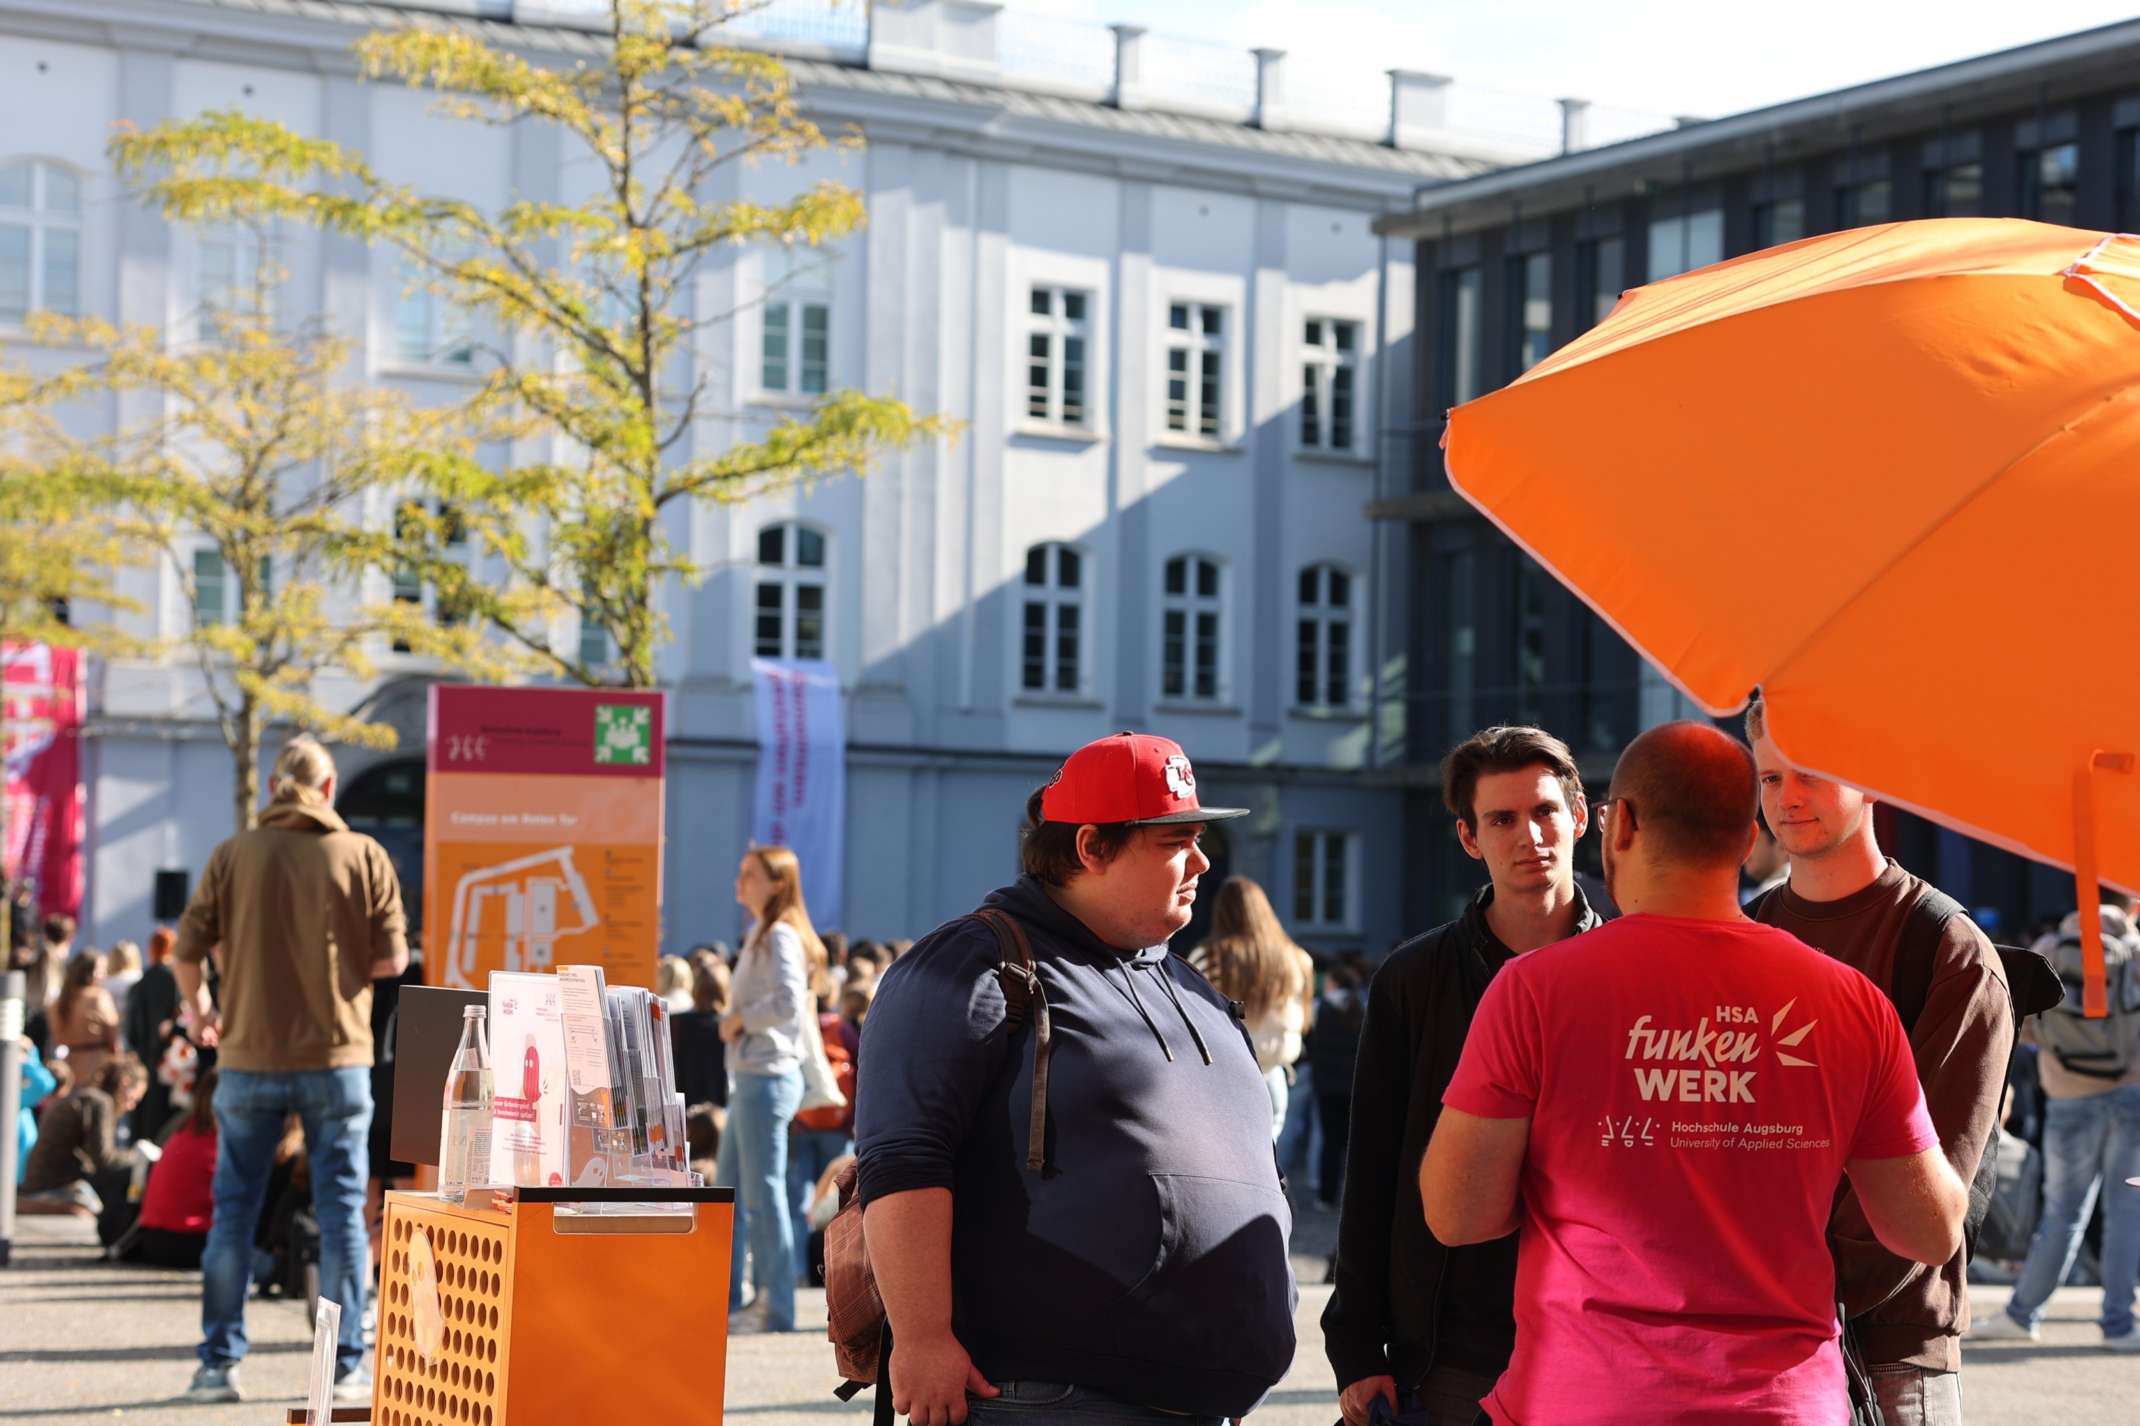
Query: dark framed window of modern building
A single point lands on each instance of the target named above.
(1956, 191)
(1781, 220)
(1601, 276)
(1860, 205)
(1460, 337)
(1530, 310)
(2050, 183)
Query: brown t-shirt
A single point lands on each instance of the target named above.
(1904, 1312)
(302, 908)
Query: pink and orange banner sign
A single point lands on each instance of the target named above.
(43, 754)
(542, 832)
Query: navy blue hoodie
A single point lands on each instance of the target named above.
(1148, 1259)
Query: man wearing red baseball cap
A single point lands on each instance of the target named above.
(1071, 1202)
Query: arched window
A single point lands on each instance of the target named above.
(1052, 651)
(1323, 674)
(40, 239)
(1192, 606)
(791, 593)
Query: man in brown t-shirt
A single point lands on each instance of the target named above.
(1847, 900)
(302, 915)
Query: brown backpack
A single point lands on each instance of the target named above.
(861, 1336)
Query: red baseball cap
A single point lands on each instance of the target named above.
(1134, 778)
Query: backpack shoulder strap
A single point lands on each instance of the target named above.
(1024, 1001)
(1916, 953)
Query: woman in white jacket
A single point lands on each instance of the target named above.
(764, 1033)
(1249, 958)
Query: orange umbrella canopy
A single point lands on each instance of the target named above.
(1890, 477)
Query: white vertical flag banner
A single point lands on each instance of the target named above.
(802, 775)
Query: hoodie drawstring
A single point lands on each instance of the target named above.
(1130, 981)
(1175, 996)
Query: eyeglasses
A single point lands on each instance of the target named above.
(1622, 802)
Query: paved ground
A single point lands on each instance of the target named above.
(81, 1342)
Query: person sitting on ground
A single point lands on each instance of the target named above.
(1664, 1109)
(854, 1006)
(672, 982)
(77, 1161)
(85, 1020)
(38, 1084)
(1250, 959)
(695, 1034)
(122, 971)
(179, 1200)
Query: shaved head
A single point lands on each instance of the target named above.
(1692, 790)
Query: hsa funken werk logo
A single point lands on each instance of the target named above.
(1701, 1065)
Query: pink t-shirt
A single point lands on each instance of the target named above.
(1694, 1088)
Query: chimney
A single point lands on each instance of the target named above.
(1574, 124)
(1129, 66)
(947, 39)
(1419, 108)
(1270, 89)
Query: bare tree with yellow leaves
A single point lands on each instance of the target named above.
(591, 300)
(261, 478)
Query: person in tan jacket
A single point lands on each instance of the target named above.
(302, 915)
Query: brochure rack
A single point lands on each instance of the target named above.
(535, 1312)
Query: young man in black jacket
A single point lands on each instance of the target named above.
(1410, 1320)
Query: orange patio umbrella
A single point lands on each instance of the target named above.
(1891, 478)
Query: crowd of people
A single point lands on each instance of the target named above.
(1688, 1142)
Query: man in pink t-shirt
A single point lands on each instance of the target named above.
(1663, 1108)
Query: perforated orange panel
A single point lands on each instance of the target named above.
(463, 1383)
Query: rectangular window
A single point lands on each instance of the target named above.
(1196, 346)
(1322, 880)
(1956, 192)
(816, 348)
(1329, 386)
(795, 357)
(809, 621)
(429, 329)
(14, 272)
(770, 618)
(1057, 339)
(594, 644)
(1604, 277)
(1686, 242)
(211, 588)
(1861, 205)
(1530, 291)
(1783, 221)
(1460, 359)
(2050, 184)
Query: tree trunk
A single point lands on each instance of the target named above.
(245, 761)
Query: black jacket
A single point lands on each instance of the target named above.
(1148, 1258)
(1403, 1303)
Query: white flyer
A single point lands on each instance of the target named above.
(326, 1331)
(527, 1042)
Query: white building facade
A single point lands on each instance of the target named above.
(1171, 339)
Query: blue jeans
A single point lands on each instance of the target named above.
(1035, 1403)
(2088, 1144)
(810, 1153)
(335, 1107)
(753, 1160)
(1295, 1149)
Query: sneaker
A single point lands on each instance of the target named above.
(2129, 1342)
(354, 1387)
(216, 1384)
(2000, 1326)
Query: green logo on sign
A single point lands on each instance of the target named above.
(623, 733)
